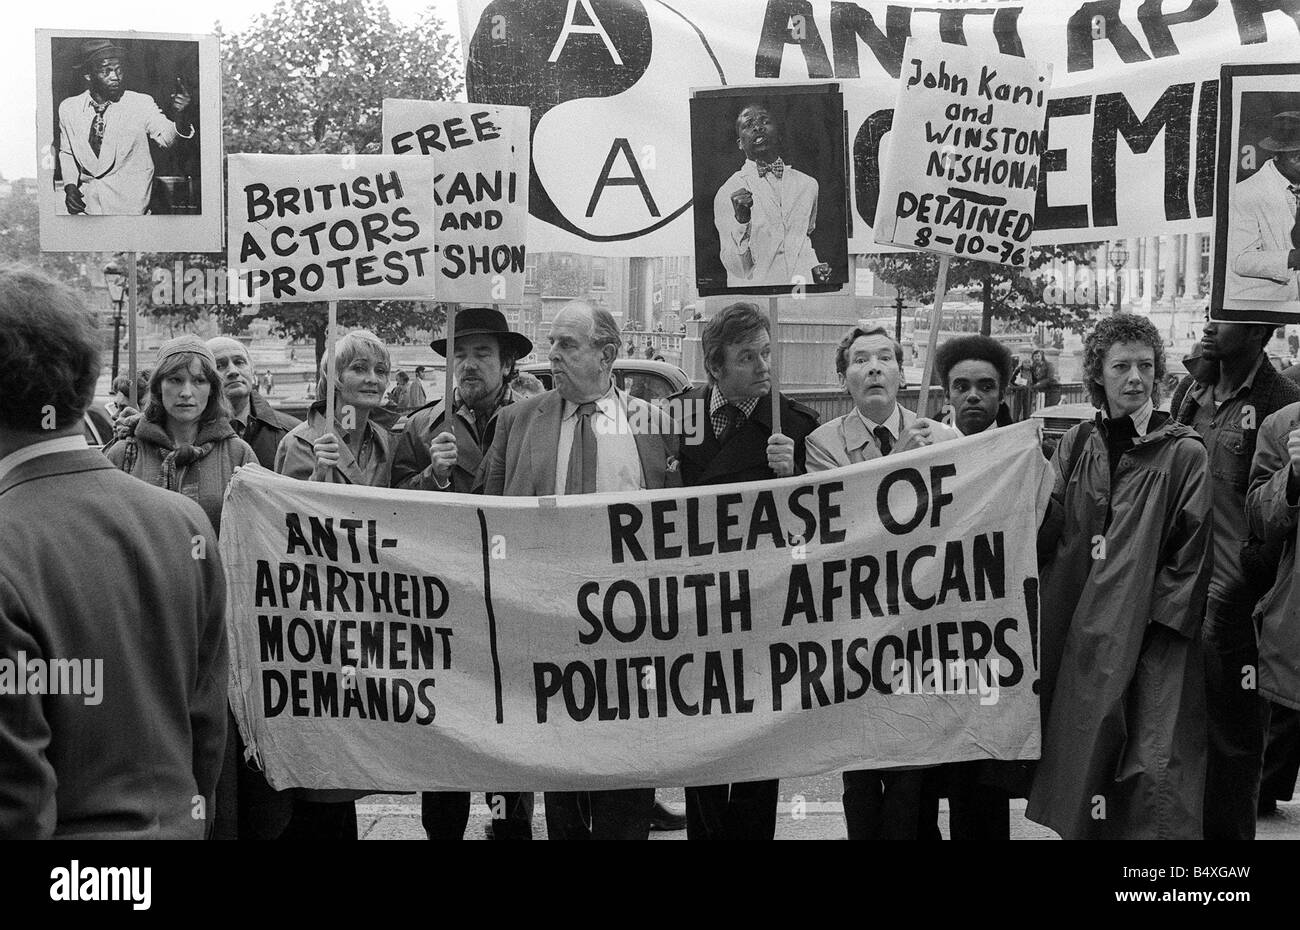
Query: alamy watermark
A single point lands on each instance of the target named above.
(35, 675)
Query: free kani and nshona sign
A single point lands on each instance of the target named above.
(480, 154)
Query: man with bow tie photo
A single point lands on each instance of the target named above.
(104, 134)
(1263, 234)
(766, 212)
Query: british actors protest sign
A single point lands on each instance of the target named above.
(1131, 120)
(769, 170)
(1256, 235)
(881, 614)
(961, 174)
(480, 154)
(129, 136)
(330, 227)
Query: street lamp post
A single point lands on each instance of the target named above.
(115, 281)
(1118, 259)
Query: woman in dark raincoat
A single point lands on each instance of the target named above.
(1126, 553)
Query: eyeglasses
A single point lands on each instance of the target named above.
(105, 70)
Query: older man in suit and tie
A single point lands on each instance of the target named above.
(579, 439)
(105, 131)
(886, 803)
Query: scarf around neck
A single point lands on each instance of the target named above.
(177, 454)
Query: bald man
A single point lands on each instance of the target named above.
(253, 418)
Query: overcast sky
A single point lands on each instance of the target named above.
(24, 17)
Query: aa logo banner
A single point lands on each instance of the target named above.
(1130, 117)
(880, 615)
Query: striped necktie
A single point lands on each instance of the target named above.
(97, 126)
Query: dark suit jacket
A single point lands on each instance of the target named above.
(744, 456)
(521, 460)
(95, 564)
(265, 429)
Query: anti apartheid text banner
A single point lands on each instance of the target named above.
(1130, 123)
(880, 615)
(330, 227)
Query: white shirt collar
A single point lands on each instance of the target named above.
(37, 449)
(893, 422)
(570, 409)
(1142, 418)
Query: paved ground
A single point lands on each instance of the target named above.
(809, 810)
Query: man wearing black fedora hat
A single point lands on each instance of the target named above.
(434, 457)
(1263, 234)
(104, 135)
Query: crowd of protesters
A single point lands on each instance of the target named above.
(1170, 647)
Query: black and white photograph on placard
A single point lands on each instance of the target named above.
(129, 132)
(768, 178)
(126, 129)
(1257, 210)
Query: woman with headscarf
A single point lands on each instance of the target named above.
(354, 449)
(184, 441)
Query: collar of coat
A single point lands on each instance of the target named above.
(1162, 428)
(1205, 371)
(214, 430)
(259, 408)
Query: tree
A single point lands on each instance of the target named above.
(310, 77)
(561, 275)
(1027, 296)
(20, 242)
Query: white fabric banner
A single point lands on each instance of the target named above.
(1131, 122)
(879, 615)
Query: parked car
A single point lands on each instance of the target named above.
(640, 377)
(97, 426)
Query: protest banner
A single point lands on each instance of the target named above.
(962, 173)
(480, 154)
(147, 178)
(330, 227)
(1131, 116)
(879, 615)
(1256, 251)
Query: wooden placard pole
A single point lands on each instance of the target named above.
(331, 336)
(936, 316)
(449, 370)
(776, 364)
(132, 362)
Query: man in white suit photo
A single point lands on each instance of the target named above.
(104, 135)
(765, 212)
(1263, 235)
